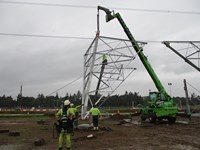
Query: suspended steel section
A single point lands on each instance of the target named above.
(187, 50)
(102, 79)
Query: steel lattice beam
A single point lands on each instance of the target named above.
(187, 50)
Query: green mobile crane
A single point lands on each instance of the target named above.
(160, 105)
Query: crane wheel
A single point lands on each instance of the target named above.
(143, 118)
(171, 120)
(152, 119)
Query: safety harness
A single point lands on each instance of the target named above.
(64, 120)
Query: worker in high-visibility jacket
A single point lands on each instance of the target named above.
(104, 61)
(76, 113)
(96, 114)
(65, 116)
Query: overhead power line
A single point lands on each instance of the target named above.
(61, 37)
(160, 11)
(74, 37)
(193, 87)
(46, 4)
(94, 7)
(65, 85)
(45, 36)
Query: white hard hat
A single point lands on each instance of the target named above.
(66, 102)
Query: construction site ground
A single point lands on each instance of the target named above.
(114, 134)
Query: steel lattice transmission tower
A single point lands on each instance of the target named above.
(187, 50)
(101, 80)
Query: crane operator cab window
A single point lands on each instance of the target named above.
(153, 96)
(156, 97)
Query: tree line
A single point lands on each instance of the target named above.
(128, 99)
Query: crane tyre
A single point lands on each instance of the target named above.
(171, 120)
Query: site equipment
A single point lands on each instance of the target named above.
(160, 105)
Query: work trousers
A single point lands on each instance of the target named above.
(95, 121)
(67, 130)
(75, 123)
(68, 140)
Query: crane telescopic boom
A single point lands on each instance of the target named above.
(161, 105)
(139, 50)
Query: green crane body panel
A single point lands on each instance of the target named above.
(163, 105)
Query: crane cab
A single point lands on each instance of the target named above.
(159, 107)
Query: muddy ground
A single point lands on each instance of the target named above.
(124, 136)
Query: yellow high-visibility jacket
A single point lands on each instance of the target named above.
(70, 113)
(95, 111)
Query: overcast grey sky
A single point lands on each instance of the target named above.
(42, 64)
